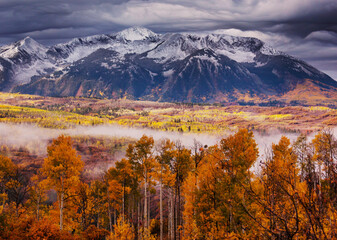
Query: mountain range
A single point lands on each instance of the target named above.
(139, 64)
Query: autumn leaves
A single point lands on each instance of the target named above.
(162, 190)
(62, 168)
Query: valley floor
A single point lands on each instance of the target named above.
(69, 112)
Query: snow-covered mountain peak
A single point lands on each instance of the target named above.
(31, 46)
(136, 34)
(28, 41)
(28, 45)
(175, 46)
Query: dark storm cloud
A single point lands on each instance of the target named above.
(19, 18)
(304, 28)
(296, 17)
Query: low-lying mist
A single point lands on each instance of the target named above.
(36, 139)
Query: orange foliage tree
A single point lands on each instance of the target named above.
(62, 168)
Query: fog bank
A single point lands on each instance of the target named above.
(36, 139)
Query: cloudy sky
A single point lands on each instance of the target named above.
(306, 29)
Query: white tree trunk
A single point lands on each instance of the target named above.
(38, 208)
(109, 209)
(145, 200)
(172, 215)
(61, 209)
(110, 220)
(161, 203)
(123, 206)
(148, 210)
(98, 220)
(139, 217)
(169, 217)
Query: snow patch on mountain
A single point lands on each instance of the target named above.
(168, 73)
(268, 50)
(152, 74)
(300, 68)
(239, 56)
(167, 54)
(132, 47)
(23, 74)
(260, 64)
(83, 51)
(211, 59)
(275, 72)
(107, 66)
(136, 34)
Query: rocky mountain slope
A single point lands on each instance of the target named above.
(137, 63)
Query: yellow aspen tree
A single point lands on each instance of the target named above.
(62, 168)
(37, 192)
(281, 183)
(141, 157)
(97, 192)
(181, 166)
(238, 154)
(164, 157)
(122, 231)
(7, 170)
(125, 175)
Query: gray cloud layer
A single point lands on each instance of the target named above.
(304, 28)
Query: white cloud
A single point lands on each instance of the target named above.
(144, 13)
(150, 12)
(325, 36)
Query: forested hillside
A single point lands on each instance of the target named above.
(163, 190)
